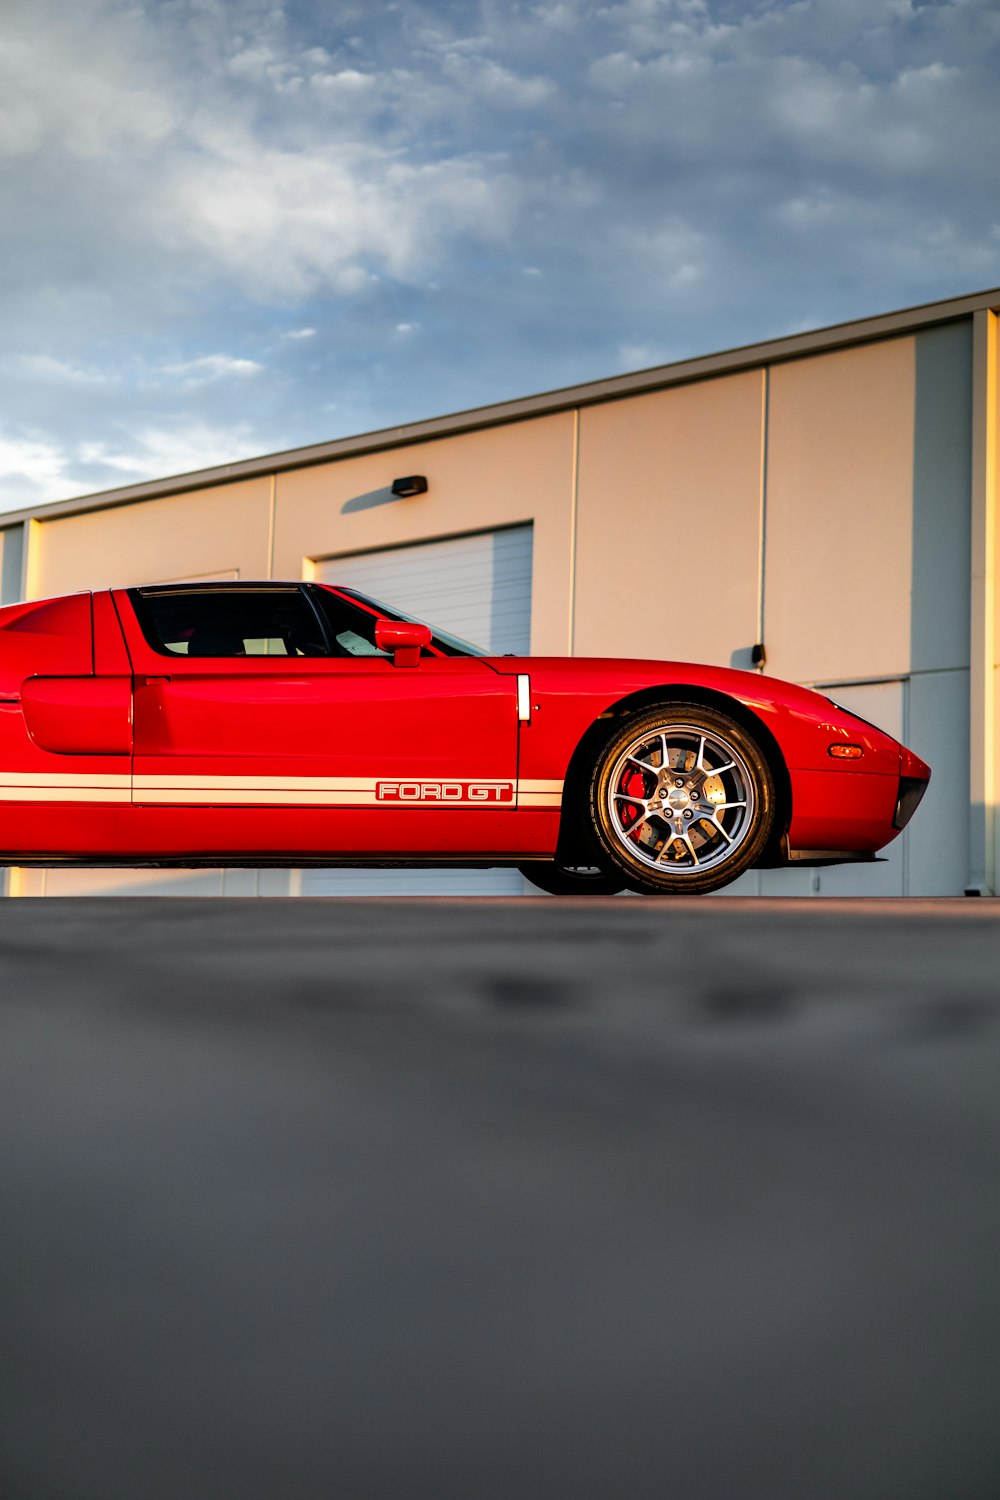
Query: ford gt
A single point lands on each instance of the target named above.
(298, 723)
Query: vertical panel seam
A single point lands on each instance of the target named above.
(983, 665)
(765, 413)
(271, 507)
(574, 503)
(29, 558)
(990, 602)
(904, 860)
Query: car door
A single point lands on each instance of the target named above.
(239, 704)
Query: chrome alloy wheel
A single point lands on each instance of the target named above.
(680, 799)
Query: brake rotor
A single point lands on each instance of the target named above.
(712, 789)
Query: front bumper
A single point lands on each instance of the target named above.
(911, 791)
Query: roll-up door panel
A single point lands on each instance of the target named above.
(478, 587)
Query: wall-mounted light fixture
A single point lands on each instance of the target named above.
(413, 484)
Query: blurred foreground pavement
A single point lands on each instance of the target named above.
(604, 1200)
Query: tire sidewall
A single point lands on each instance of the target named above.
(557, 880)
(641, 877)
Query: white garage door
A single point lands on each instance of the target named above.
(478, 587)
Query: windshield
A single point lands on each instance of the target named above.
(442, 641)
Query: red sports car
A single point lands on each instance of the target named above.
(294, 723)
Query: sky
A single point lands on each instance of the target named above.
(232, 227)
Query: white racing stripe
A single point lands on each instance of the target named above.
(64, 779)
(539, 793)
(255, 783)
(285, 791)
(292, 797)
(65, 794)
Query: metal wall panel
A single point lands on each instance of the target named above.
(202, 534)
(937, 841)
(839, 508)
(867, 574)
(11, 563)
(668, 534)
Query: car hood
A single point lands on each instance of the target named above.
(631, 674)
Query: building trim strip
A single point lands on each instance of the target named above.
(983, 621)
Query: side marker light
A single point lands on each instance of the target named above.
(845, 752)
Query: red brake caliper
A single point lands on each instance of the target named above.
(632, 785)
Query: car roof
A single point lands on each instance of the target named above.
(223, 583)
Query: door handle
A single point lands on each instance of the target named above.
(151, 681)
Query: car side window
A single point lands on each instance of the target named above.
(351, 628)
(229, 622)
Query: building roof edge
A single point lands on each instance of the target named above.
(658, 377)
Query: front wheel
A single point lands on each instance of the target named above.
(572, 880)
(681, 800)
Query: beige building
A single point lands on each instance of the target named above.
(831, 495)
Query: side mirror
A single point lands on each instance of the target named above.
(404, 639)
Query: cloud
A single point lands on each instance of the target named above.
(546, 190)
(285, 224)
(155, 451)
(673, 252)
(45, 368)
(491, 81)
(221, 158)
(35, 468)
(32, 469)
(348, 86)
(212, 367)
(639, 357)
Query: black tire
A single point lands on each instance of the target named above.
(572, 880)
(681, 800)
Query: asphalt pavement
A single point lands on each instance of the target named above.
(605, 1200)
